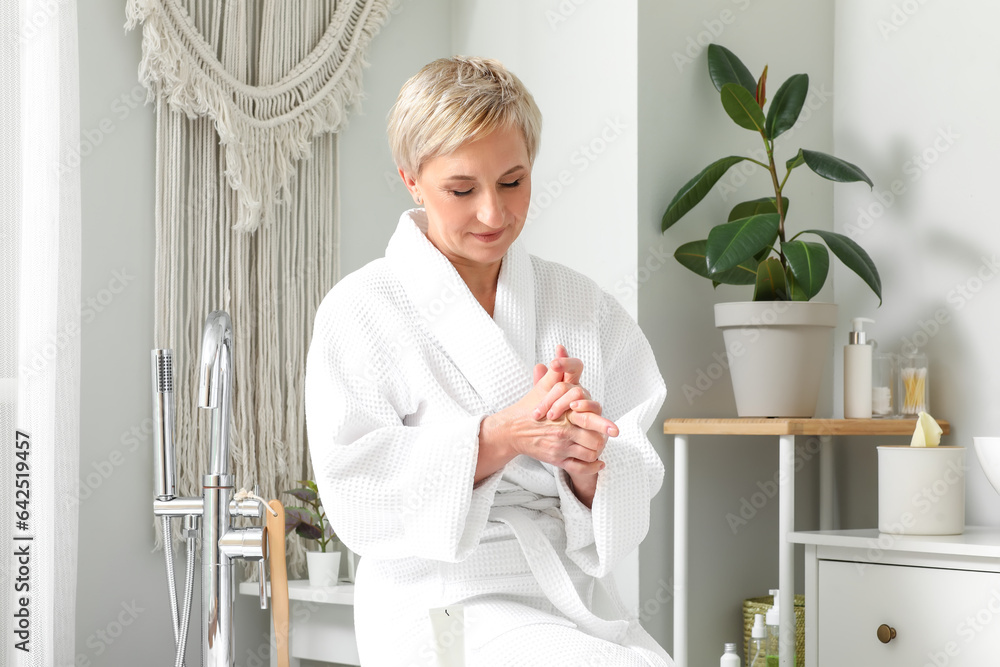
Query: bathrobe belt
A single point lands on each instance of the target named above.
(545, 564)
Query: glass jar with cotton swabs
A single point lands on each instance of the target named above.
(914, 390)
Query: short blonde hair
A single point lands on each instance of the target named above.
(454, 100)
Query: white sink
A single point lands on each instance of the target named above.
(988, 453)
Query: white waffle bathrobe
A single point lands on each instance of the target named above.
(404, 365)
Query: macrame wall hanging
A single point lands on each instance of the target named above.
(249, 95)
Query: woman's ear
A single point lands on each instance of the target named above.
(411, 185)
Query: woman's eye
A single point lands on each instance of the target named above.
(512, 184)
(461, 193)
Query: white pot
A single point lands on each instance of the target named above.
(324, 567)
(921, 490)
(777, 351)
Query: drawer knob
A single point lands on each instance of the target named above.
(885, 633)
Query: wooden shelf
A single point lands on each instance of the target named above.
(798, 426)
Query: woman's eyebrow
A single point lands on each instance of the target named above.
(462, 177)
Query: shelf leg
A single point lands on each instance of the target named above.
(786, 550)
(827, 485)
(680, 549)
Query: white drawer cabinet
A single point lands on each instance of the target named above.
(939, 595)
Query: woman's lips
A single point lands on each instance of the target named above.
(489, 237)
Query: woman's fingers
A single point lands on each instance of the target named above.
(578, 467)
(539, 373)
(593, 421)
(570, 367)
(557, 400)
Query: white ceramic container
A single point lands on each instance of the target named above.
(777, 351)
(921, 490)
(324, 568)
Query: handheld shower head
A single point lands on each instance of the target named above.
(163, 422)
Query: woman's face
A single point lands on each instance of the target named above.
(476, 198)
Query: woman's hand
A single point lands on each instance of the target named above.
(572, 443)
(577, 401)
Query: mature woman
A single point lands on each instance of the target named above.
(487, 493)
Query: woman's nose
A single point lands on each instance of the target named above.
(491, 210)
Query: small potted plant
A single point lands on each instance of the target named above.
(753, 247)
(310, 524)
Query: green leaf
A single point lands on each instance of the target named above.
(732, 243)
(742, 107)
(696, 189)
(786, 105)
(724, 67)
(305, 495)
(796, 161)
(854, 257)
(309, 484)
(834, 169)
(809, 263)
(794, 291)
(757, 206)
(692, 256)
(308, 531)
(770, 281)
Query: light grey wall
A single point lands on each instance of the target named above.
(682, 128)
(934, 239)
(122, 613)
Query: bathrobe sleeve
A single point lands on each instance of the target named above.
(633, 393)
(390, 490)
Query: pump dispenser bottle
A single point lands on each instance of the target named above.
(858, 372)
(773, 617)
(758, 643)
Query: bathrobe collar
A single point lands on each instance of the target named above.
(495, 354)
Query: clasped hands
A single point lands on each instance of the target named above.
(557, 422)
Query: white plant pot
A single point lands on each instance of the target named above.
(324, 568)
(777, 351)
(921, 490)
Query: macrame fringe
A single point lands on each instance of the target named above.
(265, 130)
(247, 208)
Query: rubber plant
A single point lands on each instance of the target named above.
(753, 247)
(308, 522)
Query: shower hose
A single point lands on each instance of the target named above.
(182, 621)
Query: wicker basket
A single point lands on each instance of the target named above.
(753, 606)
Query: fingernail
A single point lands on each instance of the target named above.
(612, 431)
(575, 405)
(603, 465)
(552, 415)
(537, 414)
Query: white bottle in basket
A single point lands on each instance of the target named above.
(773, 617)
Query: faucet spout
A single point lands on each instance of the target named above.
(215, 385)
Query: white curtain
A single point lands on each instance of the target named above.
(39, 328)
